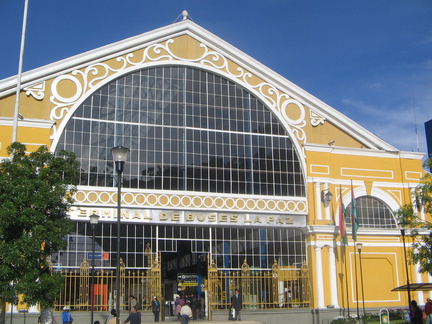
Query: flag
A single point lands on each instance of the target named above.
(342, 228)
(354, 217)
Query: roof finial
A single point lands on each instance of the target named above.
(185, 14)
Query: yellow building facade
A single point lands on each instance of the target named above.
(252, 201)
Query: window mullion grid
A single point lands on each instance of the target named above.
(208, 133)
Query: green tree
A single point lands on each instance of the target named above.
(421, 231)
(36, 192)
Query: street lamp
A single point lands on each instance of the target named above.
(402, 230)
(359, 248)
(94, 220)
(120, 155)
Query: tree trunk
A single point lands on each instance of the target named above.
(46, 316)
(3, 312)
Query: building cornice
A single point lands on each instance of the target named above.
(363, 151)
(30, 122)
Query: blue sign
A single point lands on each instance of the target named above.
(97, 256)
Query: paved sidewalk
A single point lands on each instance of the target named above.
(203, 321)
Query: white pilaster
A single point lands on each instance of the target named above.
(418, 278)
(430, 280)
(326, 203)
(319, 277)
(318, 211)
(333, 277)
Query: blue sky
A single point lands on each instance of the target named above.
(369, 59)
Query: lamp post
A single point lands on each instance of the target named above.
(120, 155)
(94, 219)
(359, 248)
(402, 230)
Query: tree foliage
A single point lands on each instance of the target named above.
(35, 194)
(421, 230)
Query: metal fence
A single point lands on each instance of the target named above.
(280, 287)
(79, 294)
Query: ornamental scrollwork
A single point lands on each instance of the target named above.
(37, 91)
(81, 83)
(316, 119)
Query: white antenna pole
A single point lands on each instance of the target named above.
(18, 88)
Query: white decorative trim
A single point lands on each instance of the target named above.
(37, 91)
(316, 119)
(362, 173)
(36, 123)
(325, 148)
(386, 197)
(92, 196)
(413, 175)
(324, 168)
(94, 75)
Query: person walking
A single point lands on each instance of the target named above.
(66, 315)
(428, 311)
(236, 303)
(179, 303)
(202, 304)
(113, 318)
(416, 313)
(185, 313)
(193, 305)
(134, 317)
(132, 302)
(156, 308)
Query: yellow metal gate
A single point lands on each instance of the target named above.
(280, 287)
(143, 284)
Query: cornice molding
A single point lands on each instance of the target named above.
(362, 151)
(35, 123)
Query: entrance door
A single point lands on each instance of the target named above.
(183, 270)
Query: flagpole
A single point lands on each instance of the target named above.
(346, 280)
(354, 227)
(356, 281)
(344, 237)
(20, 65)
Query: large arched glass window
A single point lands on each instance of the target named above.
(372, 213)
(187, 129)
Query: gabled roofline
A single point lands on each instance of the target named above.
(368, 139)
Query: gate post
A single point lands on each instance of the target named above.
(245, 283)
(212, 286)
(275, 285)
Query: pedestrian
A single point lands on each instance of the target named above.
(416, 313)
(66, 315)
(178, 304)
(134, 316)
(193, 305)
(145, 303)
(185, 313)
(202, 303)
(132, 302)
(428, 311)
(113, 318)
(236, 303)
(156, 308)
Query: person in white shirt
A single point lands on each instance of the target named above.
(186, 313)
